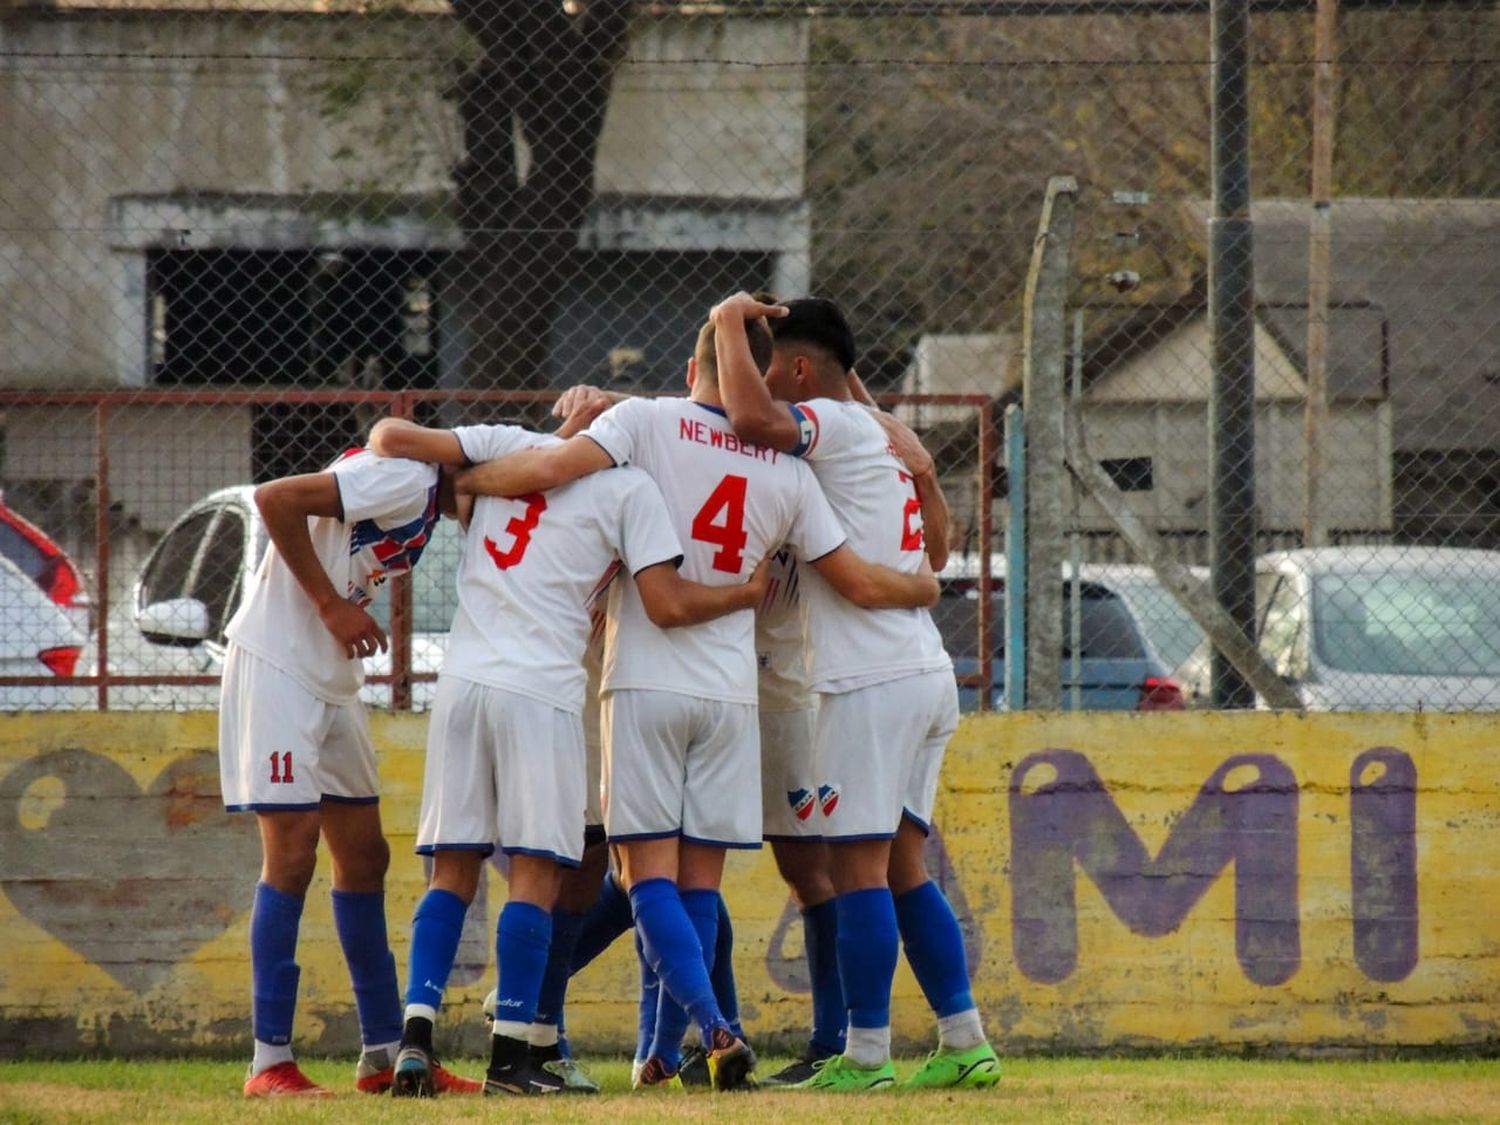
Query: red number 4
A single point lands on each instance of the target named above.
(911, 537)
(519, 529)
(729, 535)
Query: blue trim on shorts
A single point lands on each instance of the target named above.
(543, 853)
(917, 820)
(776, 838)
(335, 799)
(737, 846)
(267, 807)
(428, 849)
(634, 837)
(832, 839)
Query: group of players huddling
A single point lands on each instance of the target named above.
(667, 605)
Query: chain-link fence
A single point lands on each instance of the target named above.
(257, 225)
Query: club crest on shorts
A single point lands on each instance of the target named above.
(828, 797)
(802, 802)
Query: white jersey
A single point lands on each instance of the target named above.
(874, 498)
(779, 649)
(389, 507)
(532, 564)
(732, 503)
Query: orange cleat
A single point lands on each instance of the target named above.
(284, 1080)
(444, 1081)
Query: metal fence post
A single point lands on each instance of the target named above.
(1231, 410)
(1015, 560)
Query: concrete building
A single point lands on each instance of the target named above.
(256, 198)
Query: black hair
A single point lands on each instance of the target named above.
(819, 322)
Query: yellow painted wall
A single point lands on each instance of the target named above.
(124, 888)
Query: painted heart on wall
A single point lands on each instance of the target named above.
(134, 880)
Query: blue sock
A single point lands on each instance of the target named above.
(436, 929)
(935, 949)
(721, 973)
(650, 995)
(549, 1004)
(360, 921)
(702, 907)
(607, 919)
(672, 949)
(820, 930)
(868, 947)
(523, 936)
(274, 919)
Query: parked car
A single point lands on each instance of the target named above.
(192, 582)
(36, 639)
(1171, 629)
(1383, 628)
(46, 564)
(1118, 668)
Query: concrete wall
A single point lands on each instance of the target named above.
(1124, 882)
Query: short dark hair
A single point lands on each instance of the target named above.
(761, 347)
(819, 322)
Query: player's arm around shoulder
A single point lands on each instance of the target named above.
(872, 586)
(753, 413)
(398, 437)
(537, 469)
(672, 601)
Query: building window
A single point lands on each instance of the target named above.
(1130, 474)
(362, 318)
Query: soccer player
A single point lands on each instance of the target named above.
(295, 748)
(887, 698)
(681, 734)
(505, 751)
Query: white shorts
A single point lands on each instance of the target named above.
(789, 787)
(501, 767)
(677, 765)
(879, 751)
(283, 748)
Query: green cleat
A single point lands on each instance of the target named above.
(948, 1070)
(838, 1075)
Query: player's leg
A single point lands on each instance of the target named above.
(269, 732)
(793, 827)
(539, 781)
(700, 869)
(864, 740)
(360, 859)
(579, 890)
(723, 761)
(456, 827)
(929, 930)
(289, 841)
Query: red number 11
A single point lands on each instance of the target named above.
(281, 768)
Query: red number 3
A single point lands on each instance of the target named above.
(729, 536)
(520, 529)
(911, 537)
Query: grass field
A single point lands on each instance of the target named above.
(1033, 1090)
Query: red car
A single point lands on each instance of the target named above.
(46, 564)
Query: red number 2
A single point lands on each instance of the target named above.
(520, 529)
(911, 537)
(281, 768)
(729, 536)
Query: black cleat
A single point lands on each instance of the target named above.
(522, 1079)
(793, 1073)
(694, 1068)
(413, 1074)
